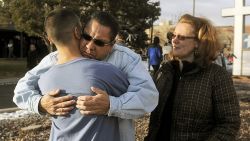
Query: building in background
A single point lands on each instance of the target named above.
(21, 42)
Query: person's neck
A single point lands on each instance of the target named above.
(67, 53)
(188, 59)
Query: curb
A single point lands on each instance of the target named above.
(9, 81)
(9, 110)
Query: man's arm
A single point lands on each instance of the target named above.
(27, 95)
(140, 98)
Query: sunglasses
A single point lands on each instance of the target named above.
(182, 37)
(97, 42)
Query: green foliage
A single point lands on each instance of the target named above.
(5, 16)
(28, 15)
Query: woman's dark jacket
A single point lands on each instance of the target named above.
(205, 106)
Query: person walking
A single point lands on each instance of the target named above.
(154, 54)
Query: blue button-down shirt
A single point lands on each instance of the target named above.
(140, 98)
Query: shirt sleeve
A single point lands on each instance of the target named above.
(26, 93)
(141, 96)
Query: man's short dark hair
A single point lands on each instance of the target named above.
(106, 19)
(60, 23)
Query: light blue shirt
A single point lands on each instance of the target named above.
(87, 73)
(140, 98)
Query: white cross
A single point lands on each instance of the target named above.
(238, 12)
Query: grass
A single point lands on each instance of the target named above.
(12, 68)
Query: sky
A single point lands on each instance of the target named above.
(211, 9)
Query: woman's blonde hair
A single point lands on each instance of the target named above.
(208, 43)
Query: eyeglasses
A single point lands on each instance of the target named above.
(182, 37)
(98, 42)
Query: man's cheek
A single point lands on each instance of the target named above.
(83, 44)
(86, 55)
(82, 50)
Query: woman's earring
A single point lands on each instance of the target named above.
(196, 52)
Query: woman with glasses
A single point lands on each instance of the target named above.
(197, 99)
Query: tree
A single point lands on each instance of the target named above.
(28, 15)
(5, 15)
(136, 16)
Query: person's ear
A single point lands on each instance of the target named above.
(50, 40)
(77, 33)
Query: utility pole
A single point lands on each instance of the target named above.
(152, 30)
(193, 7)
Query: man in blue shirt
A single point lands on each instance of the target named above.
(63, 29)
(155, 54)
(141, 96)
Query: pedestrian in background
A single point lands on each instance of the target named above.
(154, 54)
(167, 48)
(32, 56)
(11, 49)
(121, 39)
